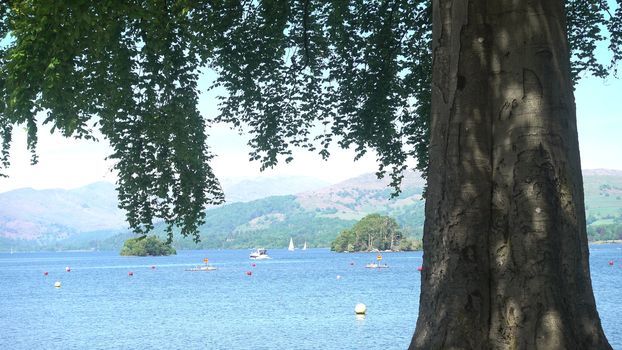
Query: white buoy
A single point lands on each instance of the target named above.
(360, 309)
(57, 284)
(68, 269)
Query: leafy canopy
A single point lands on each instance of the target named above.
(298, 73)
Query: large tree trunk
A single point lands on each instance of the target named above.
(505, 245)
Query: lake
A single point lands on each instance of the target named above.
(297, 300)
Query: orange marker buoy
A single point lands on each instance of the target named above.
(249, 273)
(610, 262)
(130, 273)
(45, 273)
(253, 264)
(420, 268)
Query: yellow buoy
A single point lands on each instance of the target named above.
(360, 309)
(57, 284)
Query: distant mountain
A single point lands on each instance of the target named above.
(362, 195)
(603, 192)
(55, 214)
(309, 210)
(318, 216)
(315, 217)
(61, 218)
(246, 189)
(602, 172)
(603, 204)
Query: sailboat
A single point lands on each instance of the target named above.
(291, 245)
(304, 247)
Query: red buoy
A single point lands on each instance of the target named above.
(45, 273)
(130, 273)
(420, 268)
(249, 273)
(610, 262)
(253, 264)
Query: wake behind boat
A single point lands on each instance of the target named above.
(259, 254)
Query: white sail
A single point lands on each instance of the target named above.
(304, 247)
(291, 245)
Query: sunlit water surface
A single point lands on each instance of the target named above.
(297, 300)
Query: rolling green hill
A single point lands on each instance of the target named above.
(316, 216)
(603, 204)
(88, 217)
(603, 192)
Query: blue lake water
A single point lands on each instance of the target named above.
(294, 301)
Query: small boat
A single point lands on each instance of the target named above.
(376, 266)
(304, 247)
(291, 245)
(205, 267)
(202, 268)
(260, 254)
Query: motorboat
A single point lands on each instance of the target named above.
(260, 254)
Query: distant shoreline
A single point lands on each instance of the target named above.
(609, 241)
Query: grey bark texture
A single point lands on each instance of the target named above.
(505, 245)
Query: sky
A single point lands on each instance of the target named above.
(68, 163)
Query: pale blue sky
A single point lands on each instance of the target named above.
(599, 118)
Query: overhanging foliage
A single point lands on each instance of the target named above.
(298, 73)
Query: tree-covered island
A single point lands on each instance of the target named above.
(374, 232)
(144, 246)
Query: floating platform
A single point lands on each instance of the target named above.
(202, 268)
(377, 266)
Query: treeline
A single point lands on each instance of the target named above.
(374, 232)
(605, 232)
(604, 227)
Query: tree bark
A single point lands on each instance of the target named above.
(505, 245)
